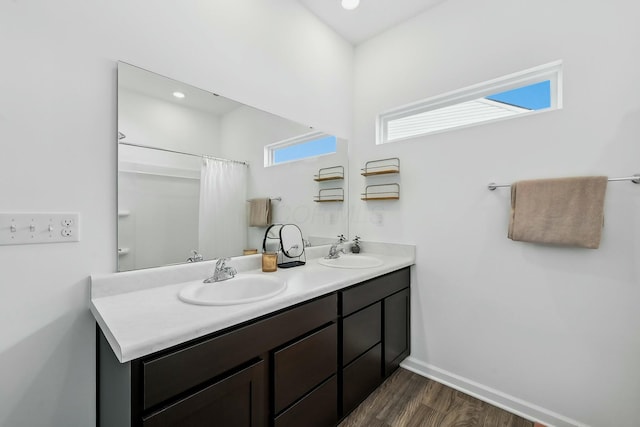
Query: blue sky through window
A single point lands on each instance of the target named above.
(533, 97)
(315, 147)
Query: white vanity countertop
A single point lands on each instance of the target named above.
(140, 313)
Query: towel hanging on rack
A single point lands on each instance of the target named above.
(561, 211)
(259, 212)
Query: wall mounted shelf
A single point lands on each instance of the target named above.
(329, 174)
(381, 192)
(329, 195)
(381, 167)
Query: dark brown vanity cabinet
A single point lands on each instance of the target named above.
(375, 334)
(229, 378)
(307, 365)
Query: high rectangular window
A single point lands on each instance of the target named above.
(526, 92)
(302, 147)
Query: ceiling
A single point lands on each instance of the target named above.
(369, 19)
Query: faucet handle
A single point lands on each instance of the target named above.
(222, 261)
(341, 238)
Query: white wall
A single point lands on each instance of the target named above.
(58, 127)
(550, 332)
(151, 121)
(292, 182)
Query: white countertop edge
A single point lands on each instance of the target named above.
(111, 320)
(107, 332)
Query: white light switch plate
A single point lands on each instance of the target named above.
(20, 228)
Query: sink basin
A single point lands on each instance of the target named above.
(242, 289)
(351, 261)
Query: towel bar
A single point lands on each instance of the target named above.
(635, 179)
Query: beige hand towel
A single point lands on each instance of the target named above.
(563, 211)
(259, 212)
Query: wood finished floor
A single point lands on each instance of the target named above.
(408, 400)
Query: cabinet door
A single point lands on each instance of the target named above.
(235, 401)
(396, 330)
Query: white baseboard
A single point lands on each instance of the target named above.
(487, 394)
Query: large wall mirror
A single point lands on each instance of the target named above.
(190, 162)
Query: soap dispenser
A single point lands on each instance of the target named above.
(355, 248)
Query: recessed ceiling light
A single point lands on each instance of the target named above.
(178, 95)
(350, 4)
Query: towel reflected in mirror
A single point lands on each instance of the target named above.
(260, 212)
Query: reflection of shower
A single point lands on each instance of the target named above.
(223, 214)
(163, 189)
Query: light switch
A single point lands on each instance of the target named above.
(21, 228)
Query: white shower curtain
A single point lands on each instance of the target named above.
(223, 212)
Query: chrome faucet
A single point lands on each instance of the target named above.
(222, 271)
(196, 257)
(334, 252)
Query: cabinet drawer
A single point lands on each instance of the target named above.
(178, 371)
(361, 331)
(361, 377)
(234, 401)
(318, 409)
(301, 366)
(359, 296)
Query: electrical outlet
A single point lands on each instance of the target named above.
(19, 228)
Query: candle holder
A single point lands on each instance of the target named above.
(269, 262)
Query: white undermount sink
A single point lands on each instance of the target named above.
(241, 289)
(351, 261)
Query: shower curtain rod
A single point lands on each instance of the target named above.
(635, 179)
(131, 144)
